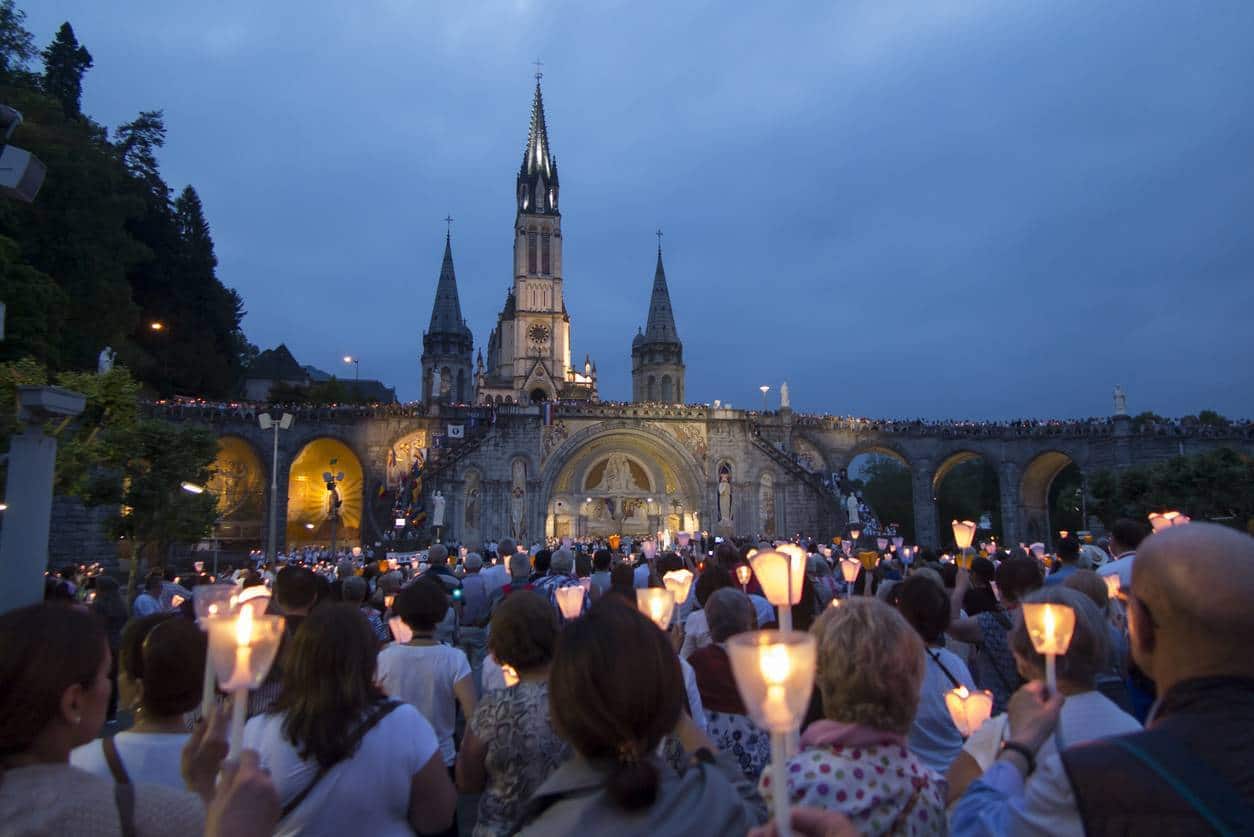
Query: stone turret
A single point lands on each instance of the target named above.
(657, 355)
(447, 345)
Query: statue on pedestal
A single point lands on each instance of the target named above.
(851, 509)
(724, 495)
(1121, 401)
(437, 510)
(785, 402)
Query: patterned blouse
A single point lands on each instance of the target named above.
(995, 667)
(883, 788)
(522, 749)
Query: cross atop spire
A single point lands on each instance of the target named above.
(659, 241)
(448, 219)
(661, 323)
(538, 64)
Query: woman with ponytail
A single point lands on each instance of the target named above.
(615, 691)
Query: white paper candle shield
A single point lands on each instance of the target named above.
(969, 710)
(774, 672)
(679, 582)
(658, 604)
(570, 600)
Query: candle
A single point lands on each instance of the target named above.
(658, 604)
(968, 709)
(678, 582)
(243, 649)
(743, 574)
(781, 575)
(209, 600)
(1050, 627)
(511, 676)
(1112, 585)
(570, 600)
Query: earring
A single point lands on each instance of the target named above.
(78, 719)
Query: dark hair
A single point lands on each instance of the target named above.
(1018, 577)
(601, 560)
(422, 605)
(983, 569)
(171, 658)
(321, 709)
(669, 563)
(1068, 550)
(623, 581)
(354, 589)
(714, 578)
(523, 630)
(130, 652)
(1129, 533)
(295, 588)
(727, 555)
(44, 649)
(925, 606)
(583, 564)
(542, 561)
(617, 712)
(153, 584)
(949, 574)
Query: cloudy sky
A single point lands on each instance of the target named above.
(902, 208)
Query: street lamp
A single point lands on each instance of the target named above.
(356, 362)
(197, 488)
(157, 325)
(764, 389)
(284, 423)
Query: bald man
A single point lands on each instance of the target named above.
(1191, 771)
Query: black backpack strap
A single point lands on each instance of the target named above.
(1210, 795)
(936, 659)
(124, 797)
(114, 760)
(381, 711)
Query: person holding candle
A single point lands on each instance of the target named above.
(995, 668)
(561, 574)
(1068, 560)
(510, 747)
(432, 677)
(160, 664)
(614, 717)
(332, 735)
(1086, 715)
(1125, 537)
(855, 760)
(54, 693)
(933, 736)
(696, 626)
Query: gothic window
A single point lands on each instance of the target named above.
(650, 392)
(667, 393)
(531, 252)
(544, 254)
(461, 386)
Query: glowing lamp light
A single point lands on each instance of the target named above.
(1112, 585)
(743, 574)
(781, 574)
(683, 538)
(1050, 627)
(1167, 519)
(897, 542)
(854, 533)
(511, 676)
(570, 600)
(1063, 533)
(658, 604)
(242, 649)
(868, 559)
(176, 601)
(192, 488)
(849, 569)
(969, 710)
(679, 582)
(774, 672)
(964, 533)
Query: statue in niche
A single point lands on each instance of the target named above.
(393, 471)
(617, 476)
(437, 510)
(851, 509)
(435, 383)
(472, 504)
(724, 494)
(518, 501)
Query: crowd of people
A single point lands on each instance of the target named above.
(453, 694)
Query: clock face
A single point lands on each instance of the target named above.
(539, 333)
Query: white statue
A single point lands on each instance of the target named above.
(784, 402)
(104, 362)
(724, 498)
(435, 383)
(437, 509)
(518, 500)
(1121, 402)
(851, 508)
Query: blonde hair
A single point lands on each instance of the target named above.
(870, 665)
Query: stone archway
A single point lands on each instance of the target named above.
(968, 505)
(1034, 491)
(620, 478)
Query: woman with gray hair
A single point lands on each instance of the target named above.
(728, 612)
(855, 760)
(1087, 713)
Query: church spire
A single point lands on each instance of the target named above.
(537, 176)
(446, 312)
(661, 324)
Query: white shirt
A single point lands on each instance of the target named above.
(694, 694)
(933, 736)
(367, 793)
(1122, 567)
(696, 633)
(149, 757)
(497, 576)
(492, 676)
(423, 675)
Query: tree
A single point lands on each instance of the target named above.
(968, 491)
(17, 45)
(1218, 485)
(34, 308)
(65, 63)
(137, 143)
(887, 489)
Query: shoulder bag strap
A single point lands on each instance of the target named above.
(1210, 795)
(380, 712)
(936, 659)
(114, 761)
(124, 798)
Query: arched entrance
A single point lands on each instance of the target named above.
(966, 487)
(1051, 496)
(239, 483)
(312, 515)
(620, 481)
(880, 477)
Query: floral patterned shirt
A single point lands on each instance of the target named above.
(523, 750)
(883, 789)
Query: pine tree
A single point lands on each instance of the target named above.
(137, 143)
(65, 63)
(189, 215)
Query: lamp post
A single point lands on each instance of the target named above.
(764, 389)
(284, 423)
(197, 488)
(356, 362)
